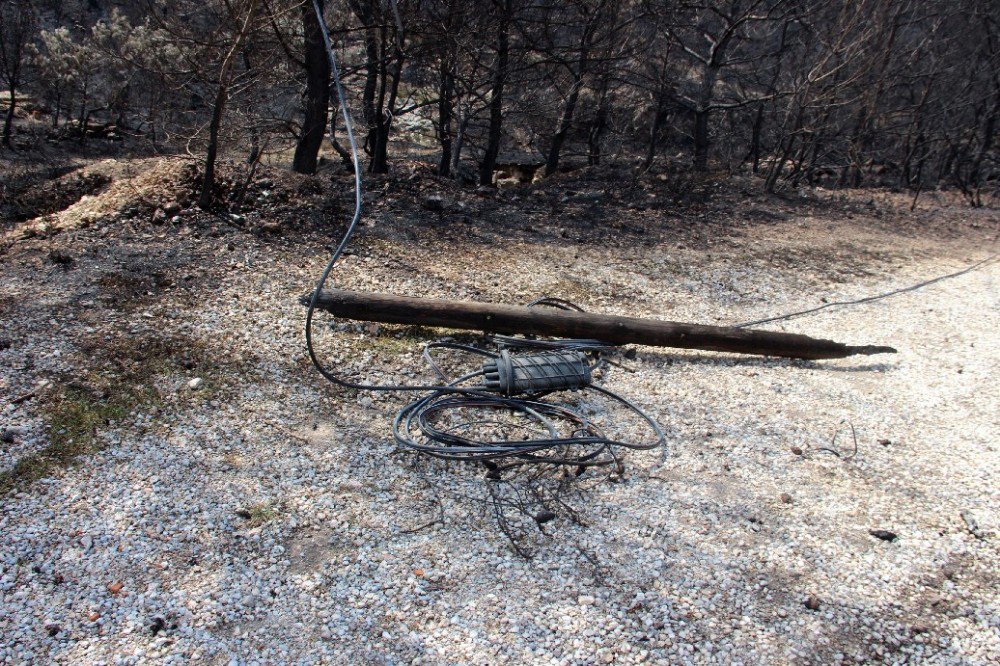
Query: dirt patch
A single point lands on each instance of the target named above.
(309, 551)
(75, 413)
(839, 264)
(7, 304)
(129, 287)
(103, 189)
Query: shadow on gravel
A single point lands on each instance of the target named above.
(724, 361)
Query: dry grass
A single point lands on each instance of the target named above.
(120, 382)
(75, 415)
(258, 514)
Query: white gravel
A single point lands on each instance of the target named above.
(263, 517)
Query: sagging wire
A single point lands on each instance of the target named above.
(876, 297)
(417, 425)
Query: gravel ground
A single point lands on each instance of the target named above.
(264, 517)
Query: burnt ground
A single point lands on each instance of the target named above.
(117, 293)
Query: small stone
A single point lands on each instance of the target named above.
(812, 602)
(434, 202)
(60, 257)
(195, 383)
(543, 517)
(786, 498)
(172, 208)
(797, 450)
(52, 628)
(972, 525)
(365, 402)
(94, 617)
(157, 624)
(884, 535)
(115, 588)
(920, 628)
(585, 600)
(8, 436)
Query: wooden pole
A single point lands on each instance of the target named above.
(493, 318)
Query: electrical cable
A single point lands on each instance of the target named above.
(417, 425)
(876, 297)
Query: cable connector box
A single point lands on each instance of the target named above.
(536, 373)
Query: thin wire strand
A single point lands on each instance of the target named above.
(876, 297)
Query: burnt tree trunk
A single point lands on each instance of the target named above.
(317, 97)
(446, 110)
(219, 107)
(659, 117)
(385, 106)
(569, 108)
(494, 133)
(345, 155)
(8, 122)
(701, 116)
(447, 74)
(464, 117)
(565, 122)
(208, 180)
(596, 133)
(365, 12)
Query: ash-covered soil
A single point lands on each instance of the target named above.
(181, 486)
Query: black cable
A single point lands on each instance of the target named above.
(585, 446)
(869, 299)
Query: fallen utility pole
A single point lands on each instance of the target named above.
(493, 318)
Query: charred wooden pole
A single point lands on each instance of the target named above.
(493, 318)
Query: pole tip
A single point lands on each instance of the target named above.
(869, 350)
